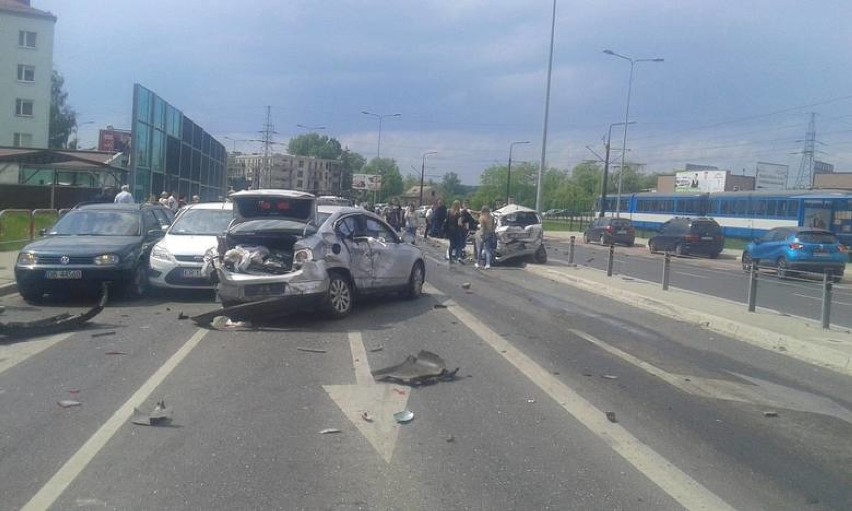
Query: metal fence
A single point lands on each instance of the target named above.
(20, 226)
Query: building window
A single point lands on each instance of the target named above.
(299, 184)
(26, 73)
(300, 173)
(22, 140)
(301, 164)
(24, 107)
(27, 39)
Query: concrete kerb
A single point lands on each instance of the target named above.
(8, 289)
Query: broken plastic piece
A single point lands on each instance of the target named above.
(366, 416)
(770, 414)
(115, 353)
(404, 416)
(54, 324)
(465, 285)
(377, 348)
(103, 334)
(161, 415)
(311, 350)
(611, 416)
(609, 377)
(67, 403)
(181, 315)
(329, 431)
(439, 306)
(426, 368)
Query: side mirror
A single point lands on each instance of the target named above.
(164, 228)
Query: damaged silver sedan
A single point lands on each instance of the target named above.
(519, 234)
(281, 249)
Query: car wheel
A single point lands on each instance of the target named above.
(540, 256)
(586, 237)
(783, 268)
(747, 262)
(138, 285)
(339, 298)
(679, 251)
(415, 281)
(603, 239)
(30, 295)
(714, 255)
(652, 246)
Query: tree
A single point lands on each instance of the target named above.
(63, 118)
(391, 177)
(316, 145)
(493, 185)
(451, 187)
(350, 162)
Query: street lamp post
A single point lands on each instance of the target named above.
(626, 118)
(509, 168)
(606, 167)
(423, 173)
(379, 143)
(538, 190)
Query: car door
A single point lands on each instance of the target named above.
(776, 247)
(664, 240)
(350, 230)
(390, 265)
(763, 245)
(152, 232)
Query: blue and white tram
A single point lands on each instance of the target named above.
(744, 215)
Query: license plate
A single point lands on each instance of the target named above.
(516, 235)
(191, 274)
(264, 289)
(820, 253)
(63, 274)
(621, 232)
(707, 238)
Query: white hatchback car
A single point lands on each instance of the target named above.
(176, 260)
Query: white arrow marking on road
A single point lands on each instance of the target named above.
(380, 401)
(759, 392)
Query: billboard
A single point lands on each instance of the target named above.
(372, 182)
(702, 181)
(114, 141)
(771, 176)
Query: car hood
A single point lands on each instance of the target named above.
(190, 245)
(83, 245)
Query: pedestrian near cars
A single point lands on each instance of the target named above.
(454, 228)
(428, 217)
(172, 202)
(439, 218)
(487, 238)
(124, 196)
(164, 199)
(394, 215)
(411, 223)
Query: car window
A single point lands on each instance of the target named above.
(817, 237)
(151, 222)
(377, 229)
(202, 222)
(348, 226)
(705, 228)
(162, 217)
(98, 223)
(520, 219)
(620, 222)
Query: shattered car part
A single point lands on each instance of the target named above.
(54, 324)
(161, 415)
(404, 416)
(67, 403)
(519, 234)
(252, 311)
(329, 431)
(424, 369)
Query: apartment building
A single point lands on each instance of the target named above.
(26, 65)
(287, 171)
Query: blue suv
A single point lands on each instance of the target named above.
(797, 249)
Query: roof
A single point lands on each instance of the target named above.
(24, 9)
(67, 157)
(513, 208)
(271, 192)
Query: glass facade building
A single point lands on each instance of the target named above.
(171, 153)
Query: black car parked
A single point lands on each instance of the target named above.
(610, 231)
(685, 236)
(91, 244)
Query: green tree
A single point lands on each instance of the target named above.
(316, 145)
(493, 185)
(451, 187)
(63, 118)
(350, 163)
(391, 177)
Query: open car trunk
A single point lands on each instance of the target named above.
(262, 246)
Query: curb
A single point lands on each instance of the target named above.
(8, 289)
(773, 341)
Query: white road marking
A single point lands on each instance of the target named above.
(57, 484)
(680, 486)
(378, 401)
(692, 274)
(13, 354)
(819, 299)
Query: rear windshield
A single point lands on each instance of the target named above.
(621, 222)
(705, 228)
(520, 218)
(817, 237)
(275, 207)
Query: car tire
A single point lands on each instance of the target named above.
(714, 255)
(652, 246)
(31, 295)
(339, 297)
(747, 261)
(603, 239)
(586, 238)
(679, 251)
(415, 281)
(540, 256)
(138, 285)
(783, 268)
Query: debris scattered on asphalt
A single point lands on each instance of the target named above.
(161, 415)
(609, 377)
(627, 278)
(67, 403)
(450, 439)
(312, 350)
(530, 400)
(366, 416)
(465, 285)
(181, 315)
(587, 374)
(424, 369)
(74, 391)
(53, 325)
(103, 334)
(226, 323)
(377, 348)
(770, 414)
(439, 306)
(168, 309)
(610, 416)
(329, 431)
(257, 311)
(113, 352)
(404, 416)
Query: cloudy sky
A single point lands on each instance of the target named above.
(738, 84)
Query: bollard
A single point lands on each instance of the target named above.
(667, 266)
(571, 250)
(752, 287)
(611, 257)
(827, 279)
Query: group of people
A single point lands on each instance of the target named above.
(402, 220)
(456, 223)
(166, 199)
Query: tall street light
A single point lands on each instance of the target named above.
(379, 144)
(423, 173)
(606, 167)
(509, 169)
(626, 118)
(546, 113)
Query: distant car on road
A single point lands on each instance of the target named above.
(610, 231)
(797, 249)
(688, 236)
(91, 244)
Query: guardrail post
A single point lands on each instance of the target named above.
(571, 250)
(752, 287)
(610, 260)
(667, 266)
(827, 279)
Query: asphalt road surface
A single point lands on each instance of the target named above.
(698, 421)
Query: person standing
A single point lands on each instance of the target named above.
(172, 202)
(124, 196)
(428, 217)
(487, 237)
(411, 223)
(439, 218)
(164, 199)
(454, 229)
(393, 215)
(468, 225)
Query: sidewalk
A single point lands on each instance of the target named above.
(642, 242)
(795, 337)
(7, 272)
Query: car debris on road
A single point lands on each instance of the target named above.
(424, 369)
(161, 415)
(54, 324)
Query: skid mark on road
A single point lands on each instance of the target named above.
(676, 483)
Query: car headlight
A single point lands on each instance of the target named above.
(302, 255)
(105, 259)
(27, 259)
(160, 252)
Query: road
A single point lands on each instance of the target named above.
(523, 426)
(721, 278)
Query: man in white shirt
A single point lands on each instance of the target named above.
(124, 196)
(172, 202)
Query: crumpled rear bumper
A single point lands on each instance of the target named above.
(306, 286)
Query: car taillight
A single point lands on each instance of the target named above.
(608, 228)
(692, 237)
(796, 246)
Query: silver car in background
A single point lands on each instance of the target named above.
(519, 234)
(282, 246)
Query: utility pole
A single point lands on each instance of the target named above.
(268, 131)
(805, 179)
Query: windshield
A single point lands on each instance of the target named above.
(202, 222)
(706, 228)
(817, 237)
(275, 207)
(98, 223)
(520, 219)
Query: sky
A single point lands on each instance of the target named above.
(738, 83)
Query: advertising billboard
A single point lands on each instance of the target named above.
(114, 141)
(370, 182)
(771, 176)
(702, 181)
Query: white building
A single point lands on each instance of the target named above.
(26, 65)
(306, 173)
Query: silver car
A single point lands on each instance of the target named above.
(281, 245)
(519, 234)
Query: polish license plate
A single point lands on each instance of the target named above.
(191, 274)
(63, 274)
(707, 238)
(820, 253)
(264, 289)
(518, 235)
